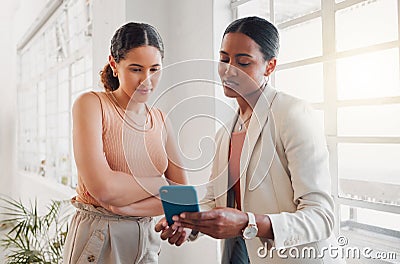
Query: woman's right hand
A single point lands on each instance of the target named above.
(175, 235)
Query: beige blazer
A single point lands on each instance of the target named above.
(284, 174)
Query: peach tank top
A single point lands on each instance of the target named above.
(127, 149)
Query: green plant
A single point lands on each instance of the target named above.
(31, 238)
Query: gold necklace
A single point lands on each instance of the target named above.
(244, 122)
(131, 119)
(262, 88)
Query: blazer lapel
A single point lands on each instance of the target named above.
(258, 121)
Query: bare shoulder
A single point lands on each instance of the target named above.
(159, 112)
(87, 102)
(162, 117)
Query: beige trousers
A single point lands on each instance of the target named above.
(98, 236)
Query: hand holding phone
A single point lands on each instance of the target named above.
(177, 199)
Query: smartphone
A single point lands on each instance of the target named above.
(177, 199)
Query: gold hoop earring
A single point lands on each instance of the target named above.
(115, 74)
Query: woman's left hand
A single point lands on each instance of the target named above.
(219, 222)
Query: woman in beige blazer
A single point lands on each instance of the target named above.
(269, 191)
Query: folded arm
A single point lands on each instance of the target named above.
(147, 207)
(105, 185)
(175, 174)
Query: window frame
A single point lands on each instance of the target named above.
(52, 27)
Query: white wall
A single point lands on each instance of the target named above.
(7, 107)
(14, 21)
(107, 17)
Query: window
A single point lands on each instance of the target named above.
(298, 44)
(55, 66)
(359, 78)
(351, 50)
